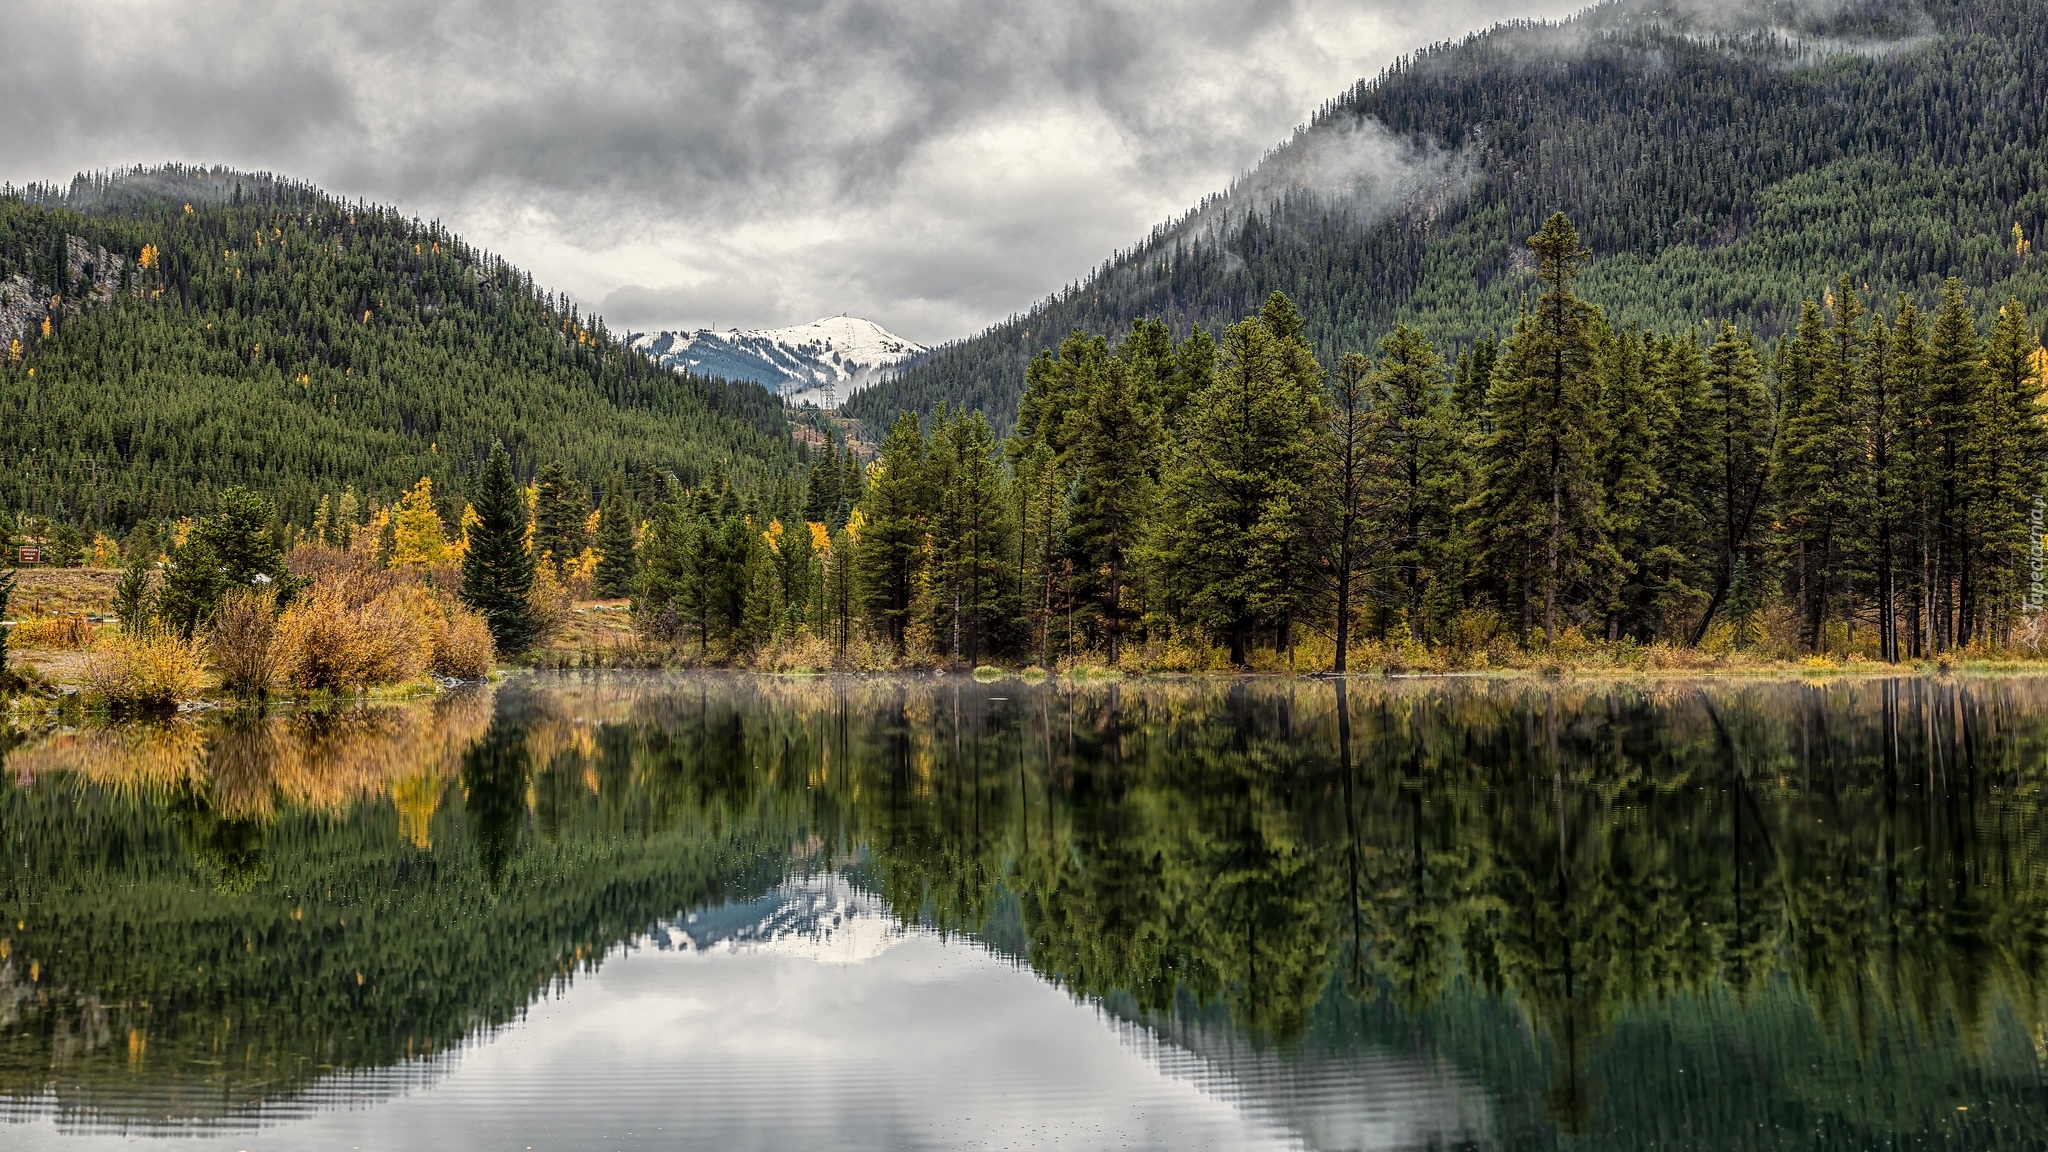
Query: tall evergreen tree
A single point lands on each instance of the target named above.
(2007, 478)
(1538, 504)
(1630, 465)
(497, 572)
(1955, 372)
(232, 548)
(7, 586)
(1740, 430)
(1879, 512)
(892, 541)
(1233, 543)
(972, 604)
(559, 513)
(1417, 447)
(1824, 460)
(1112, 434)
(1350, 482)
(822, 488)
(617, 562)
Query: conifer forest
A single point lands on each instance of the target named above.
(1656, 348)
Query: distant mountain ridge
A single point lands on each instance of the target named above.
(168, 332)
(823, 362)
(1723, 159)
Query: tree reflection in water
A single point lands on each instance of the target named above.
(1826, 901)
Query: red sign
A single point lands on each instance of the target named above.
(30, 554)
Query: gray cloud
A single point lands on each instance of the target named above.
(934, 164)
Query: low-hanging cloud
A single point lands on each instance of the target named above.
(934, 164)
(1350, 166)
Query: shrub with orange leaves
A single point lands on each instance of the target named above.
(326, 642)
(242, 641)
(461, 644)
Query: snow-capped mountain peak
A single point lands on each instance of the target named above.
(820, 363)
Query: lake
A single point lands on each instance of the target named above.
(675, 911)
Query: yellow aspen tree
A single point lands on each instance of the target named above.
(417, 537)
(470, 519)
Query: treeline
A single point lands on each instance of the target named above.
(168, 333)
(1864, 484)
(1722, 171)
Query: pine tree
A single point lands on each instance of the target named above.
(1632, 487)
(1417, 442)
(972, 606)
(678, 556)
(132, 598)
(1739, 429)
(497, 574)
(559, 512)
(1538, 505)
(1884, 385)
(892, 541)
(7, 586)
(796, 573)
(232, 548)
(617, 562)
(2012, 441)
(1350, 476)
(821, 490)
(1233, 546)
(841, 594)
(1113, 434)
(1955, 371)
(1824, 460)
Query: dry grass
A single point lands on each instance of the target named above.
(145, 670)
(73, 631)
(64, 591)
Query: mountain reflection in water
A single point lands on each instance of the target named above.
(1378, 914)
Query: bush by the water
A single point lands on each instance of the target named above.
(460, 644)
(242, 641)
(355, 628)
(150, 669)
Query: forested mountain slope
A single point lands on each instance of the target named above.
(1725, 162)
(169, 332)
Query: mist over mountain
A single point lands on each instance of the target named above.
(1724, 159)
(823, 362)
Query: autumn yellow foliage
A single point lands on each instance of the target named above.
(143, 670)
(418, 540)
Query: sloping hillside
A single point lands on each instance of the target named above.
(172, 331)
(1723, 160)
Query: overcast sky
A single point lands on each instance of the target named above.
(934, 165)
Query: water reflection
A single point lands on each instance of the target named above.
(1486, 913)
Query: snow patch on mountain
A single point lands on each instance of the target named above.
(820, 363)
(821, 917)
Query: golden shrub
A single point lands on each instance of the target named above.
(241, 641)
(326, 642)
(461, 644)
(52, 632)
(547, 602)
(143, 670)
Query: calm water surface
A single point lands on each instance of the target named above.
(699, 912)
